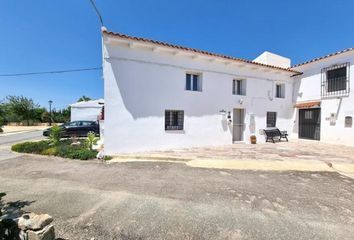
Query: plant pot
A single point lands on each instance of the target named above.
(253, 139)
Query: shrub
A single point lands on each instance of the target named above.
(82, 154)
(53, 151)
(107, 158)
(76, 153)
(31, 147)
(62, 149)
(55, 133)
(91, 139)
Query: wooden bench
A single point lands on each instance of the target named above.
(275, 134)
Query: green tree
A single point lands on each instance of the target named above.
(23, 107)
(84, 99)
(2, 114)
(61, 116)
(37, 114)
(45, 117)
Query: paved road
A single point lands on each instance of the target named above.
(160, 200)
(7, 141)
(19, 137)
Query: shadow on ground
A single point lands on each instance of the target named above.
(9, 212)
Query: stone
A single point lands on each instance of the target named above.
(47, 233)
(33, 221)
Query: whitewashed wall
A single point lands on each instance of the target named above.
(85, 113)
(140, 84)
(308, 87)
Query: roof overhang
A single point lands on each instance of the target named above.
(155, 46)
(347, 50)
(309, 104)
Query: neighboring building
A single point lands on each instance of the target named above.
(87, 110)
(324, 101)
(161, 96)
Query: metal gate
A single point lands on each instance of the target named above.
(310, 123)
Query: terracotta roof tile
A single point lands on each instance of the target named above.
(195, 50)
(308, 104)
(324, 57)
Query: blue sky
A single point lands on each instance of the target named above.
(47, 35)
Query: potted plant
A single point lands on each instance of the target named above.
(253, 139)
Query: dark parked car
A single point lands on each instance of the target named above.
(76, 128)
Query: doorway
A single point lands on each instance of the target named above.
(310, 123)
(238, 124)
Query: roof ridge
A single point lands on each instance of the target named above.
(195, 50)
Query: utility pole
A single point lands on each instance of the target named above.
(50, 112)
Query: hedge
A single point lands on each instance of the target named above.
(63, 149)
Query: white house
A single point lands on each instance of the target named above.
(161, 96)
(324, 106)
(87, 110)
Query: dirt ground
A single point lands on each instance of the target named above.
(171, 200)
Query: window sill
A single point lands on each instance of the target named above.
(175, 131)
(193, 90)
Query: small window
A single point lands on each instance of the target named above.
(348, 122)
(174, 120)
(280, 91)
(271, 119)
(308, 115)
(239, 87)
(193, 82)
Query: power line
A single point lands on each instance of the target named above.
(97, 12)
(50, 72)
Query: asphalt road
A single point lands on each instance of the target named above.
(8, 140)
(19, 137)
(159, 200)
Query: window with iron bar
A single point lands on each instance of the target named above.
(174, 120)
(335, 80)
(271, 119)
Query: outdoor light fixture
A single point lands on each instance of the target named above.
(222, 112)
(229, 117)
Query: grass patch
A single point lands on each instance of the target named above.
(62, 149)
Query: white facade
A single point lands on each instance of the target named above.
(335, 108)
(145, 78)
(142, 80)
(86, 110)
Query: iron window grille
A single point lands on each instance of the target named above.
(174, 120)
(335, 80)
(271, 119)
